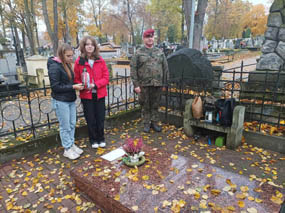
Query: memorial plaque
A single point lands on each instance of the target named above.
(168, 182)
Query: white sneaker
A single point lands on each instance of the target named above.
(69, 153)
(77, 149)
(95, 145)
(102, 144)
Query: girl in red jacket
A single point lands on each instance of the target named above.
(95, 88)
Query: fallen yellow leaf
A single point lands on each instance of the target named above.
(241, 204)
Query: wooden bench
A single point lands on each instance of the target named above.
(234, 132)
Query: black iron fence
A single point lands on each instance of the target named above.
(28, 112)
(261, 92)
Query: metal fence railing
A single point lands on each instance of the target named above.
(261, 92)
(29, 112)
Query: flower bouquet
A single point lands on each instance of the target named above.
(133, 149)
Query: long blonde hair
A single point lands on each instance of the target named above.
(60, 53)
(95, 54)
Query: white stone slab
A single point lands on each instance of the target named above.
(113, 155)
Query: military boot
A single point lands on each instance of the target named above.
(156, 127)
(146, 128)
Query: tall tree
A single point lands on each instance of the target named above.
(2, 18)
(53, 34)
(65, 30)
(30, 27)
(198, 20)
(225, 18)
(125, 12)
(199, 23)
(164, 14)
(256, 20)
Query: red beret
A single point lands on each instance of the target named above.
(148, 32)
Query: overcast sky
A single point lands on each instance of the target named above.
(265, 2)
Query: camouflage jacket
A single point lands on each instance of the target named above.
(149, 67)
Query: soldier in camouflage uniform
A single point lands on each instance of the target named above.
(149, 73)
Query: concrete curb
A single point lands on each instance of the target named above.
(40, 145)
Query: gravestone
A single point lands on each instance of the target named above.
(167, 183)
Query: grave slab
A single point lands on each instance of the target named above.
(172, 183)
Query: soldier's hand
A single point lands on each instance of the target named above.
(164, 89)
(137, 90)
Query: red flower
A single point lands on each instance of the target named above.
(133, 145)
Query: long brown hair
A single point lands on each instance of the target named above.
(60, 53)
(82, 44)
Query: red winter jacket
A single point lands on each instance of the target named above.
(99, 73)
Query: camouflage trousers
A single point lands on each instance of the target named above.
(149, 99)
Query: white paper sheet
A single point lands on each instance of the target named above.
(115, 154)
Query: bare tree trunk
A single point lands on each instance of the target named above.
(2, 21)
(35, 24)
(94, 13)
(19, 50)
(99, 15)
(182, 22)
(67, 37)
(53, 34)
(55, 27)
(29, 28)
(131, 23)
(187, 11)
(199, 22)
(24, 40)
(216, 15)
(141, 33)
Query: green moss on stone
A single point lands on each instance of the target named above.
(277, 5)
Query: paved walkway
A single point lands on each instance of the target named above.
(42, 183)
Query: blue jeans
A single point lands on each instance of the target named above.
(66, 115)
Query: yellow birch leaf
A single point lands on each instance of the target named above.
(9, 205)
(117, 197)
(210, 204)
(276, 200)
(182, 203)
(215, 192)
(24, 193)
(241, 204)
(272, 130)
(145, 177)
(197, 195)
(174, 157)
(117, 174)
(250, 198)
(9, 191)
(205, 188)
(240, 196)
(231, 208)
(258, 200)
(209, 175)
(244, 188)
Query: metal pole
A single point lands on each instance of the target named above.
(191, 32)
